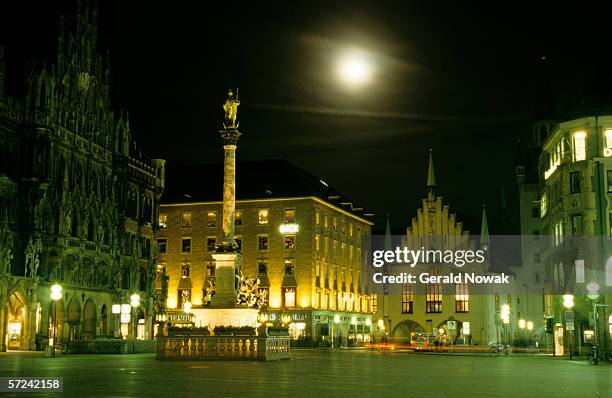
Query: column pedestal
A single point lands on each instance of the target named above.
(225, 280)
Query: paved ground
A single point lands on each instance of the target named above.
(318, 374)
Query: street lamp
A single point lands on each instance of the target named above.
(505, 316)
(56, 294)
(568, 303)
(134, 302)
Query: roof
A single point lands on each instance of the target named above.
(263, 179)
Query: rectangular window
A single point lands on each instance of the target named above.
(238, 219)
(609, 174)
(577, 225)
(317, 217)
(433, 298)
(317, 242)
(289, 216)
(262, 267)
(211, 244)
(238, 240)
(579, 271)
(579, 146)
(289, 296)
(535, 212)
(462, 297)
(211, 218)
(186, 245)
(536, 258)
(184, 295)
(262, 242)
(210, 271)
(262, 216)
(543, 204)
(326, 219)
(161, 245)
(374, 303)
(185, 270)
(575, 182)
(335, 224)
(289, 242)
(163, 220)
(407, 298)
(351, 230)
(186, 220)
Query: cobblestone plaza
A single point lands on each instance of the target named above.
(312, 373)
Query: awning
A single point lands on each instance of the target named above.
(289, 280)
(184, 284)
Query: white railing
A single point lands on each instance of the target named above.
(223, 347)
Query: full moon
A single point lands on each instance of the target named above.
(354, 70)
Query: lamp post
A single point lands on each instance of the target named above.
(56, 294)
(568, 303)
(505, 316)
(134, 302)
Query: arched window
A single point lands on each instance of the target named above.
(126, 279)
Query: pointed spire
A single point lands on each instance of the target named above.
(484, 230)
(431, 178)
(388, 241)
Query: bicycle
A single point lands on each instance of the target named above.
(499, 349)
(593, 357)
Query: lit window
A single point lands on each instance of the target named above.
(161, 245)
(433, 298)
(317, 242)
(289, 215)
(374, 303)
(238, 219)
(211, 219)
(317, 217)
(186, 270)
(289, 242)
(462, 298)
(262, 217)
(543, 204)
(262, 242)
(579, 146)
(407, 298)
(186, 220)
(289, 296)
(351, 230)
(184, 295)
(326, 221)
(211, 244)
(210, 271)
(186, 245)
(163, 221)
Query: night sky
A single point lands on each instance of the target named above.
(451, 76)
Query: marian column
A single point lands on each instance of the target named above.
(226, 255)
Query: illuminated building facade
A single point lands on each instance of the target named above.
(308, 245)
(77, 206)
(446, 313)
(575, 218)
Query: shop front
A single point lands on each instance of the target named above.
(313, 328)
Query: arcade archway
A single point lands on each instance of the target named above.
(404, 333)
(17, 324)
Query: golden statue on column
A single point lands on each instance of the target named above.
(231, 110)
